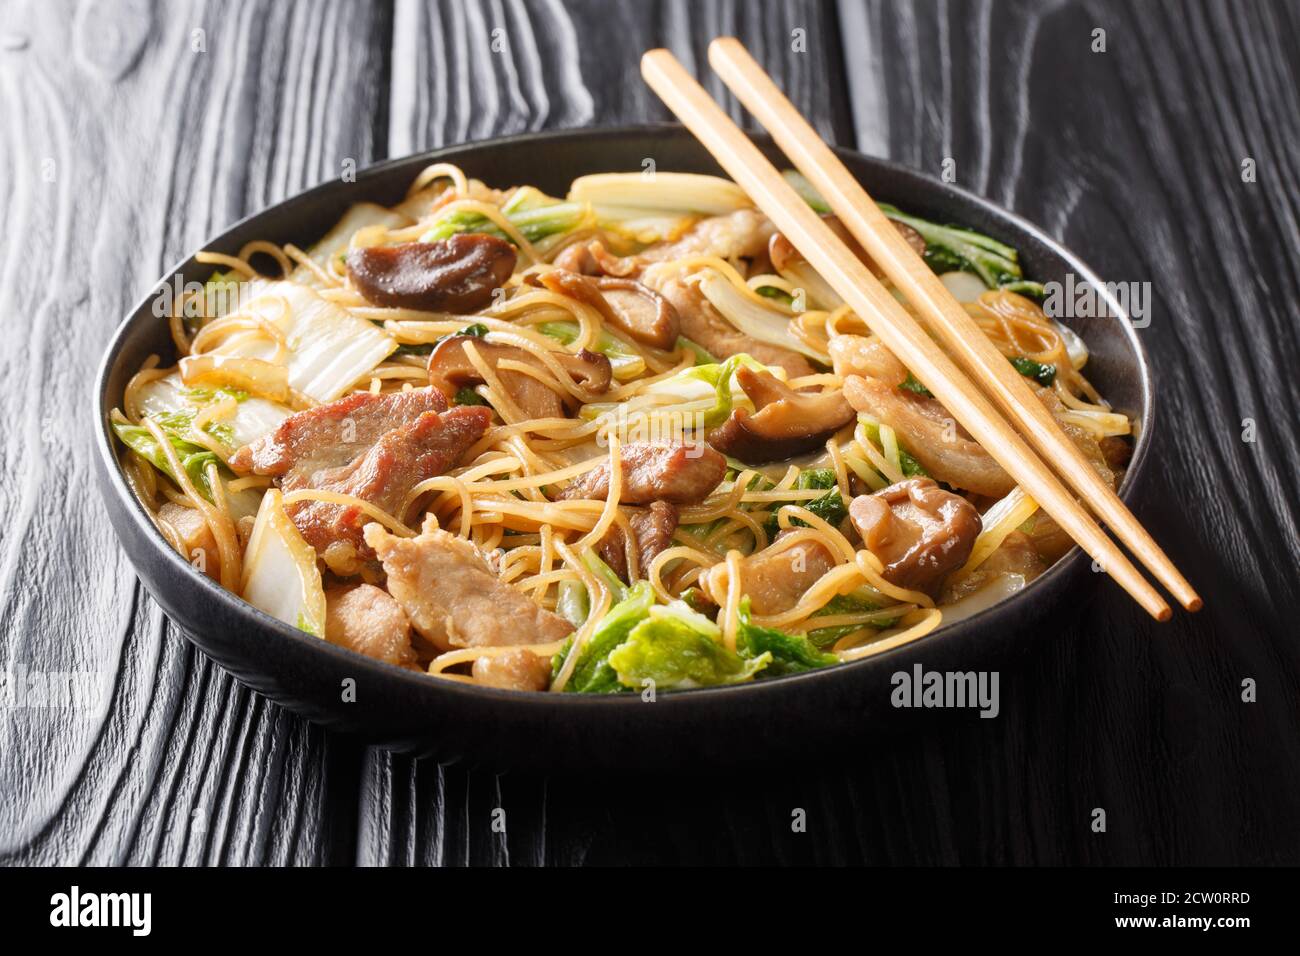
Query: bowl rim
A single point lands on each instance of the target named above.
(254, 618)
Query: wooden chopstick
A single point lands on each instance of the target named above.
(983, 362)
(886, 317)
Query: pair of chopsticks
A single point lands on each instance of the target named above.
(885, 316)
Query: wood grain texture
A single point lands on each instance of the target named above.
(1132, 157)
(464, 71)
(117, 158)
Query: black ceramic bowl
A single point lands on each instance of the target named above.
(768, 720)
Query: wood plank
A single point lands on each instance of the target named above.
(125, 152)
(472, 70)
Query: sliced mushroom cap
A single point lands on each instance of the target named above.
(919, 532)
(450, 275)
(786, 423)
(450, 370)
(782, 252)
(626, 304)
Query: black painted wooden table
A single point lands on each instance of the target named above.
(132, 130)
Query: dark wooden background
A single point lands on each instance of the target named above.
(123, 146)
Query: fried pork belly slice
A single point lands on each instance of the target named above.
(367, 620)
(518, 669)
(707, 327)
(1015, 555)
(652, 534)
(744, 234)
(330, 436)
(1049, 538)
(920, 532)
(1083, 439)
(934, 438)
(1108, 456)
(859, 355)
(200, 545)
(775, 578)
(931, 435)
(681, 473)
(782, 252)
(453, 598)
(1117, 450)
(383, 476)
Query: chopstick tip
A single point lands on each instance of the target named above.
(1150, 599)
(722, 44)
(651, 57)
